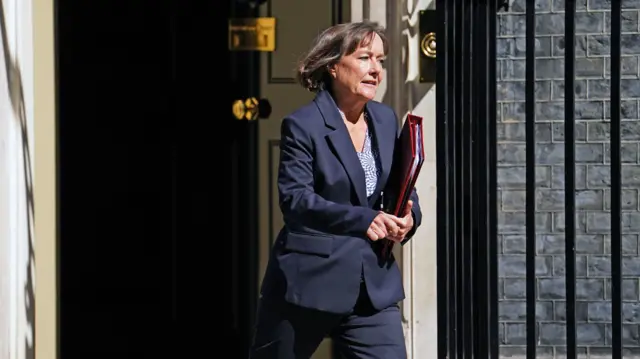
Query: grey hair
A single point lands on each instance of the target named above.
(330, 46)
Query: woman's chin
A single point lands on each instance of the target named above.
(368, 94)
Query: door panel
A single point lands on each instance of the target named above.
(297, 23)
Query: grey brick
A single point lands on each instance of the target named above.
(516, 311)
(628, 67)
(589, 22)
(514, 266)
(514, 222)
(629, 153)
(515, 288)
(629, 244)
(629, 21)
(600, 45)
(631, 266)
(558, 222)
(581, 310)
(514, 177)
(586, 289)
(515, 47)
(598, 177)
(579, 131)
(606, 4)
(558, 45)
(598, 89)
(630, 87)
(600, 222)
(517, 132)
(587, 333)
(554, 200)
(515, 90)
(515, 333)
(630, 289)
(558, 173)
(550, 24)
(591, 334)
(514, 244)
(559, 266)
(630, 335)
(513, 200)
(550, 153)
(592, 91)
(509, 25)
(628, 198)
(555, 244)
(628, 109)
(601, 312)
(557, 90)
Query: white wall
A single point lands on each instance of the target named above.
(403, 91)
(17, 282)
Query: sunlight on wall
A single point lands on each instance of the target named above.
(17, 282)
(403, 91)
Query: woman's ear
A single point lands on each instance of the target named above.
(332, 70)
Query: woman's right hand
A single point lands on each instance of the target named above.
(382, 226)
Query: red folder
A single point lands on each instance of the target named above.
(407, 162)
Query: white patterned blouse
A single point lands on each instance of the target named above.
(370, 159)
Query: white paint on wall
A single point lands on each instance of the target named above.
(357, 10)
(17, 282)
(419, 254)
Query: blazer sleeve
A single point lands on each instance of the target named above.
(299, 203)
(416, 213)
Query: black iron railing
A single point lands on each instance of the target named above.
(466, 155)
(467, 179)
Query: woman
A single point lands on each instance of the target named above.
(325, 276)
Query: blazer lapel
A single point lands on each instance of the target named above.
(341, 142)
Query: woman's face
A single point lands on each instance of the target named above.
(358, 75)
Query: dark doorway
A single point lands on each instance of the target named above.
(146, 192)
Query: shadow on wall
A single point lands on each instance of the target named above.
(416, 90)
(16, 93)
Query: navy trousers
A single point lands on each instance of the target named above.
(286, 331)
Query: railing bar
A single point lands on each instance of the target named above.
(442, 202)
(494, 348)
(480, 189)
(467, 199)
(569, 175)
(452, 102)
(530, 18)
(459, 189)
(616, 207)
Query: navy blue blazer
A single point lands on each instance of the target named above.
(322, 251)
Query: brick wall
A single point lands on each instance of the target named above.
(592, 176)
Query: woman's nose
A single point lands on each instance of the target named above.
(376, 67)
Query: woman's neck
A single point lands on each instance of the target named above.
(352, 111)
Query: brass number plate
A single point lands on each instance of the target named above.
(252, 34)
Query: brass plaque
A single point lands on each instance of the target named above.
(428, 53)
(252, 34)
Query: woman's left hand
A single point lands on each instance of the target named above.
(405, 224)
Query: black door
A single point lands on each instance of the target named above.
(146, 192)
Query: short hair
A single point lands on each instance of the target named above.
(330, 46)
